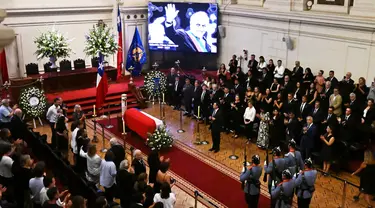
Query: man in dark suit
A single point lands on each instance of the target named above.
(138, 163)
(205, 103)
(233, 64)
(228, 98)
(253, 65)
(346, 87)
(125, 183)
(177, 91)
(288, 87)
(216, 94)
(196, 96)
(293, 128)
(216, 119)
(238, 89)
(330, 120)
(289, 105)
(171, 77)
(187, 92)
(118, 151)
(348, 126)
(17, 127)
(309, 133)
(317, 114)
(138, 200)
(297, 72)
(354, 105)
(331, 77)
(304, 108)
(325, 94)
(250, 80)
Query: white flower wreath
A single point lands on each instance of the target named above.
(155, 83)
(33, 102)
(160, 139)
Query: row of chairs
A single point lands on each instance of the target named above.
(65, 65)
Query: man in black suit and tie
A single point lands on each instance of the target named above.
(289, 105)
(233, 64)
(125, 183)
(188, 91)
(250, 80)
(304, 109)
(196, 97)
(216, 94)
(18, 127)
(331, 77)
(288, 87)
(330, 120)
(297, 72)
(238, 89)
(205, 103)
(346, 87)
(309, 133)
(348, 123)
(253, 65)
(317, 113)
(138, 164)
(293, 128)
(170, 84)
(354, 105)
(216, 119)
(177, 91)
(325, 94)
(228, 98)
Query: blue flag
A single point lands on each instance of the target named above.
(136, 54)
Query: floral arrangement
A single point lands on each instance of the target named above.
(52, 44)
(160, 139)
(155, 83)
(100, 40)
(33, 102)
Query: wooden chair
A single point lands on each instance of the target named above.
(32, 68)
(79, 64)
(47, 68)
(95, 62)
(65, 65)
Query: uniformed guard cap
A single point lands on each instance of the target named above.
(276, 151)
(255, 159)
(292, 143)
(287, 174)
(308, 162)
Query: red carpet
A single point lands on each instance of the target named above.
(211, 181)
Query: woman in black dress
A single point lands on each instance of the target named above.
(271, 67)
(154, 160)
(367, 169)
(277, 129)
(298, 93)
(307, 79)
(278, 103)
(267, 101)
(62, 134)
(311, 94)
(275, 88)
(236, 110)
(326, 154)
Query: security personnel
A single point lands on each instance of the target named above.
(252, 184)
(305, 184)
(284, 191)
(274, 171)
(293, 159)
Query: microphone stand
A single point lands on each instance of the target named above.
(180, 130)
(197, 135)
(95, 138)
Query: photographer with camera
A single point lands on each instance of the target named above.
(250, 177)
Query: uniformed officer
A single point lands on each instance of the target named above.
(293, 159)
(252, 184)
(305, 184)
(274, 171)
(284, 192)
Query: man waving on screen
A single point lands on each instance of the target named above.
(194, 39)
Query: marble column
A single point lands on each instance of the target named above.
(363, 8)
(7, 34)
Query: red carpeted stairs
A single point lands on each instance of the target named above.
(87, 98)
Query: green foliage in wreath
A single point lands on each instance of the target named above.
(160, 139)
(155, 83)
(52, 44)
(33, 102)
(100, 40)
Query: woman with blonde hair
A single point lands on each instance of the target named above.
(93, 163)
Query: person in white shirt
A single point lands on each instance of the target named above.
(50, 182)
(52, 116)
(261, 65)
(165, 196)
(249, 117)
(6, 113)
(6, 163)
(93, 163)
(36, 184)
(279, 72)
(107, 176)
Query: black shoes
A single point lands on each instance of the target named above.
(212, 149)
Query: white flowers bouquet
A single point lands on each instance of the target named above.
(33, 102)
(100, 40)
(155, 83)
(160, 139)
(52, 44)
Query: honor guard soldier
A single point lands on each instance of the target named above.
(293, 159)
(274, 170)
(305, 184)
(283, 193)
(252, 184)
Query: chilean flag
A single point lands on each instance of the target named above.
(101, 83)
(119, 52)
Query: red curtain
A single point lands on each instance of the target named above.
(3, 66)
